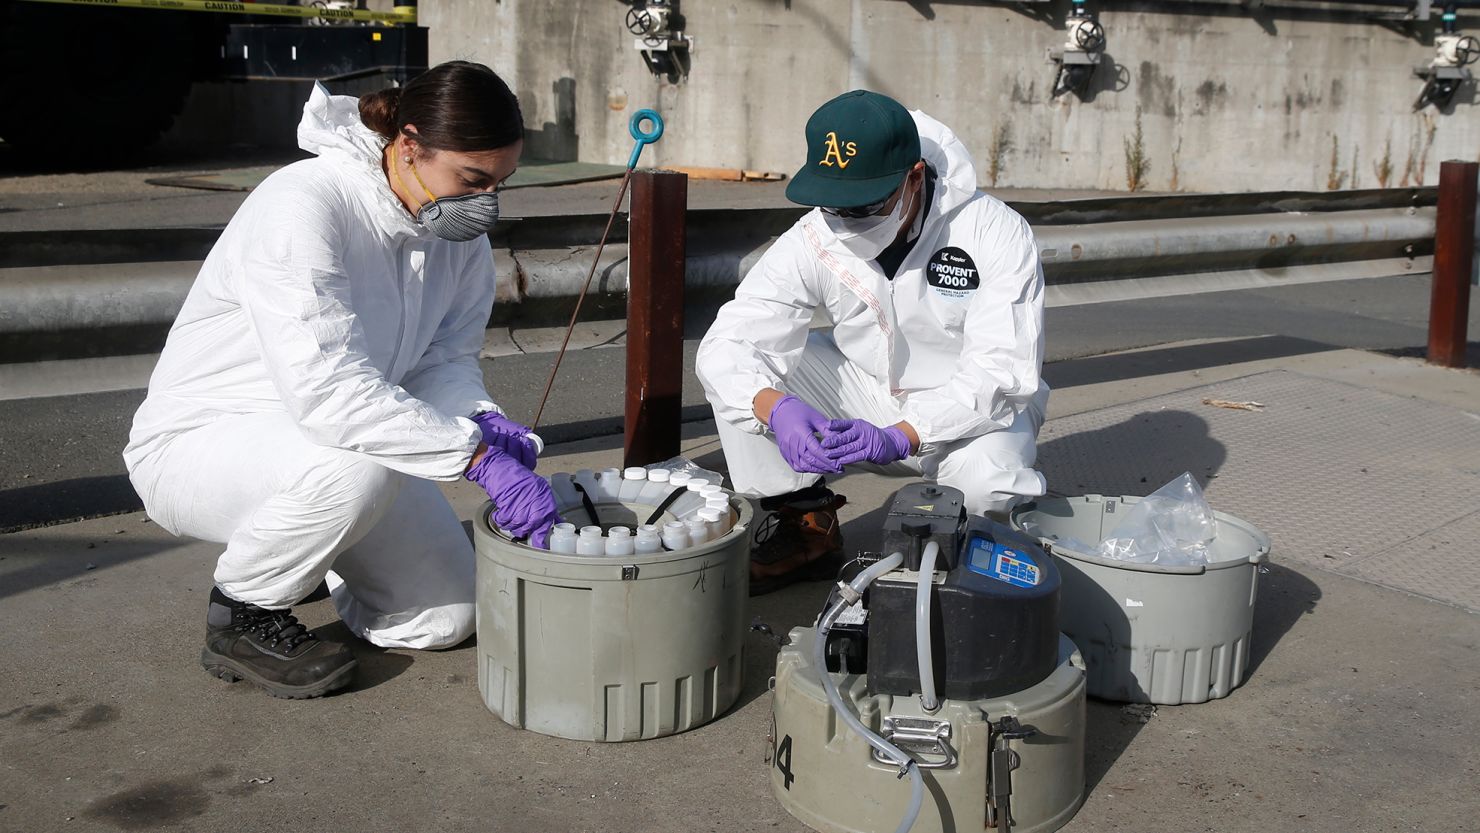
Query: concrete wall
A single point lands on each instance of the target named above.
(1228, 99)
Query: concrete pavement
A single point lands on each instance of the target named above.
(1359, 713)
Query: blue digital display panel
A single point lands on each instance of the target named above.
(1003, 563)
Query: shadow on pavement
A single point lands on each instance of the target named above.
(1285, 596)
(377, 664)
(1116, 367)
(1134, 457)
(57, 559)
(65, 500)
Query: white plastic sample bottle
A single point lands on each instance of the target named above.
(675, 535)
(586, 479)
(634, 479)
(712, 522)
(619, 541)
(609, 481)
(656, 488)
(692, 501)
(647, 540)
(565, 491)
(590, 541)
(698, 530)
(563, 538)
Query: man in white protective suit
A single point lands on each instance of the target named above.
(928, 364)
(323, 375)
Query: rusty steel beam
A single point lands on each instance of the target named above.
(1454, 258)
(655, 297)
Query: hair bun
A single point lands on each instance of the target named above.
(378, 111)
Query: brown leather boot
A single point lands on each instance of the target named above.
(798, 539)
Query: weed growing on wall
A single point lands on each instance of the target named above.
(1137, 163)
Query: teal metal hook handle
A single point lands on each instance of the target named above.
(643, 137)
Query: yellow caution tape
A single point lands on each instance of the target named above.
(402, 14)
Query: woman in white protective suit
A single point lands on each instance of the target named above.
(931, 366)
(323, 375)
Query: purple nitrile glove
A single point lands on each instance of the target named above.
(501, 432)
(523, 504)
(850, 441)
(795, 424)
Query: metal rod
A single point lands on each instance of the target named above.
(610, 220)
(1454, 260)
(655, 298)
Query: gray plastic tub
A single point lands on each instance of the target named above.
(611, 648)
(1151, 633)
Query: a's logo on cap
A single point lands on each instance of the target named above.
(835, 152)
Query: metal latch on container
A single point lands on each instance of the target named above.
(629, 572)
(926, 740)
(1004, 761)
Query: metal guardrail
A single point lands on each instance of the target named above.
(57, 288)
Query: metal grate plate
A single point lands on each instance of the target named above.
(1368, 484)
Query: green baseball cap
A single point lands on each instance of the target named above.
(860, 145)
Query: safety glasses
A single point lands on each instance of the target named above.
(857, 212)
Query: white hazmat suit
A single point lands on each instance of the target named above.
(953, 344)
(317, 381)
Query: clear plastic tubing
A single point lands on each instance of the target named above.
(675, 535)
(647, 540)
(610, 482)
(563, 537)
(634, 479)
(698, 530)
(619, 541)
(590, 541)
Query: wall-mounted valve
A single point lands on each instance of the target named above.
(659, 39)
(1453, 53)
(1081, 51)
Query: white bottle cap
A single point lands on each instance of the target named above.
(658, 475)
(679, 478)
(539, 444)
(696, 483)
(711, 489)
(634, 473)
(709, 515)
(717, 502)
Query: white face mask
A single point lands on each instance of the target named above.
(868, 237)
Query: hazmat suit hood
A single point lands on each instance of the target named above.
(331, 129)
(955, 183)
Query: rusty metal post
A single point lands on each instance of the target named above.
(1454, 262)
(655, 295)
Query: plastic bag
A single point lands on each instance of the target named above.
(684, 464)
(1171, 526)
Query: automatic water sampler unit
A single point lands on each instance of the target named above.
(935, 692)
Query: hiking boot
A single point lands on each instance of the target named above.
(270, 649)
(799, 539)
